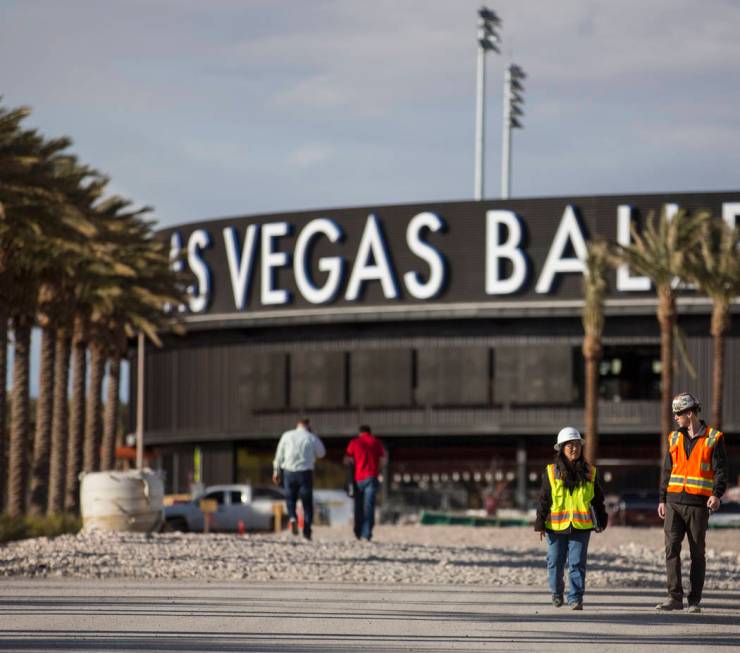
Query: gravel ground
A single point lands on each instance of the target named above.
(619, 557)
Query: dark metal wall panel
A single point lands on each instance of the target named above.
(539, 374)
(218, 464)
(261, 380)
(453, 376)
(317, 379)
(206, 387)
(731, 395)
(624, 417)
(381, 378)
(202, 384)
(159, 408)
(699, 351)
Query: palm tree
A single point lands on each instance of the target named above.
(86, 281)
(594, 290)
(18, 154)
(29, 224)
(93, 417)
(55, 273)
(3, 395)
(119, 289)
(716, 271)
(110, 416)
(19, 417)
(76, 417)
(42, 436)
(661, 253)
(83, 186)
(59, 424)
(143, 284)
(3, 403)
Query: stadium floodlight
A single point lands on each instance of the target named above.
(513, 114)
(488, 41)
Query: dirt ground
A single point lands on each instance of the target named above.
(614, 537)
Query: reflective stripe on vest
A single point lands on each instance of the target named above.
(567, 507)
(693, 475)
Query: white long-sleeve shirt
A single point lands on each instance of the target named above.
(298, 450)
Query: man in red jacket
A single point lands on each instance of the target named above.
(365, 452)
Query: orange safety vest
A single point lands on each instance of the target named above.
(693, 475)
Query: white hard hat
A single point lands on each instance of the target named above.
(685, 401)
(566, 435)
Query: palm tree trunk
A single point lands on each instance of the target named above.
(720, 326)
(110, 419)
(93, 422)
(592, 356)
(42, 437)
(76, 422)
(59, 425)
(666, 320)
(3, 405)
(19, 418)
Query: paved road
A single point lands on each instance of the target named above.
(72, 615)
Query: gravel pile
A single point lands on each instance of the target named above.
(620, 557)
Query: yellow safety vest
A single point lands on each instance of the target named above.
(570, 507)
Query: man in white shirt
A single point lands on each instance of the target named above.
(296, 456)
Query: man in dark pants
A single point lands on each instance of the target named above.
(295, 457)
(693, 480)
(364, 454)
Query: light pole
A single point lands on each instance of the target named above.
(488, 39)
(140, 402)
(513, 101)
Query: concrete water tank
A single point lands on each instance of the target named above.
(122, 501)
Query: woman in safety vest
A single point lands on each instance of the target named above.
(571, 505)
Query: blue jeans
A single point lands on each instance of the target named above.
(572, 547)
(365, 494)
(299, 485)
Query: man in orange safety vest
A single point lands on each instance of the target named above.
(693, 480)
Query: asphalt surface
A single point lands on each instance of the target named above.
(76, 615)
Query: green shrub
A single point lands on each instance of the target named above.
(19, 528)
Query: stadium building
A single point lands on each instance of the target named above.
(453, 329)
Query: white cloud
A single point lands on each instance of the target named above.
(310, 155)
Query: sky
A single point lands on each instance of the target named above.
(239, 107)
(207, 109)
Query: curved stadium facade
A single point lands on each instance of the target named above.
(453, 329)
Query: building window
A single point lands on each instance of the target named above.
(626, 373)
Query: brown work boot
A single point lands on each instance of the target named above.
(669, 605)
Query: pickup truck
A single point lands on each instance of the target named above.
(252, 507)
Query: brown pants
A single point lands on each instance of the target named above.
(683, 520)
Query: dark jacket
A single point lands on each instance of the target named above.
(719, 467)
(545, 501)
